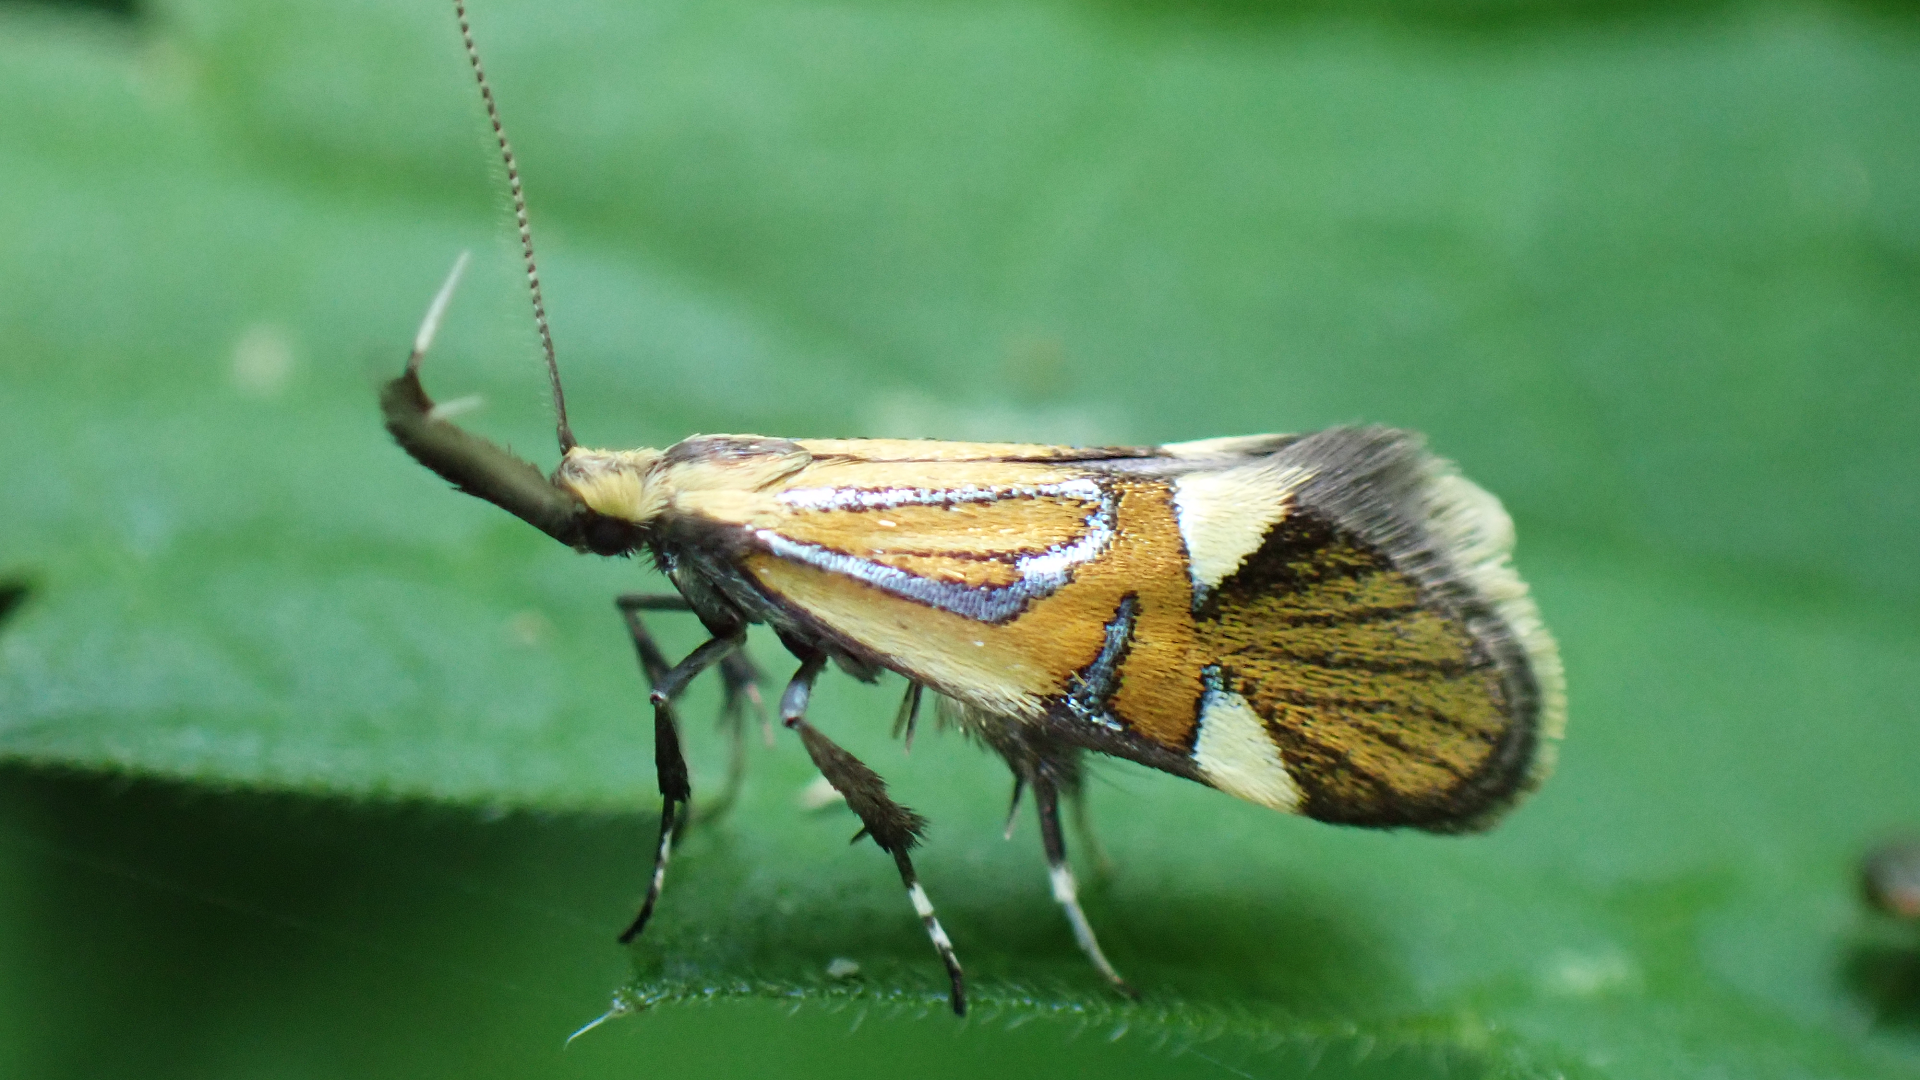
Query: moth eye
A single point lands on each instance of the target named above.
(610, 536)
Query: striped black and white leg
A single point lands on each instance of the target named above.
(923, 907)
(892, 826)
(670, 764)
(1046, 798)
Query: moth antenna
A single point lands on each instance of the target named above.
(561, 428)
(429, 326)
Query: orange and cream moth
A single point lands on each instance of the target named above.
(1324, 624)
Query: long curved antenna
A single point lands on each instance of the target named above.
(561, 427)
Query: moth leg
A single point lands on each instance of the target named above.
(907, 718)
(740, 680)
(1083, 829)
(653, 663)
(711, 651)
(1046, 798)
(671, 768)
(892, 826)
(670, 765)
(1013, 804)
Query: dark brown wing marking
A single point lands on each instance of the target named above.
(1384, 710)
(1090, 687)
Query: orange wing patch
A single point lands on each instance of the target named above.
(1019, 664)
(1003, 528)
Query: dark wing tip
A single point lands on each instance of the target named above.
(1455, 540)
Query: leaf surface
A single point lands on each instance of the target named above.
(1648, 277)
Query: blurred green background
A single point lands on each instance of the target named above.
(315, 769)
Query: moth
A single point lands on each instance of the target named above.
(1325, 624)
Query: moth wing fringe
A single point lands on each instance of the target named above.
(1457, 540)
(1470, 522)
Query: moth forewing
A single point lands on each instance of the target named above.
(1325, 624)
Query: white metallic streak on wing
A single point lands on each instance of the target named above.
(1050, 567)
(839, 498)
(1040, 574)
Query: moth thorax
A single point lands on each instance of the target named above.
(614, 483)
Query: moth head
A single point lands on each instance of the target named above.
(613, 483)
(587, 504)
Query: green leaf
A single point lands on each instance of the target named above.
(1649, 276)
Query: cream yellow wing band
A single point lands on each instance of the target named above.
(1226, 514)
(1237, 755)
